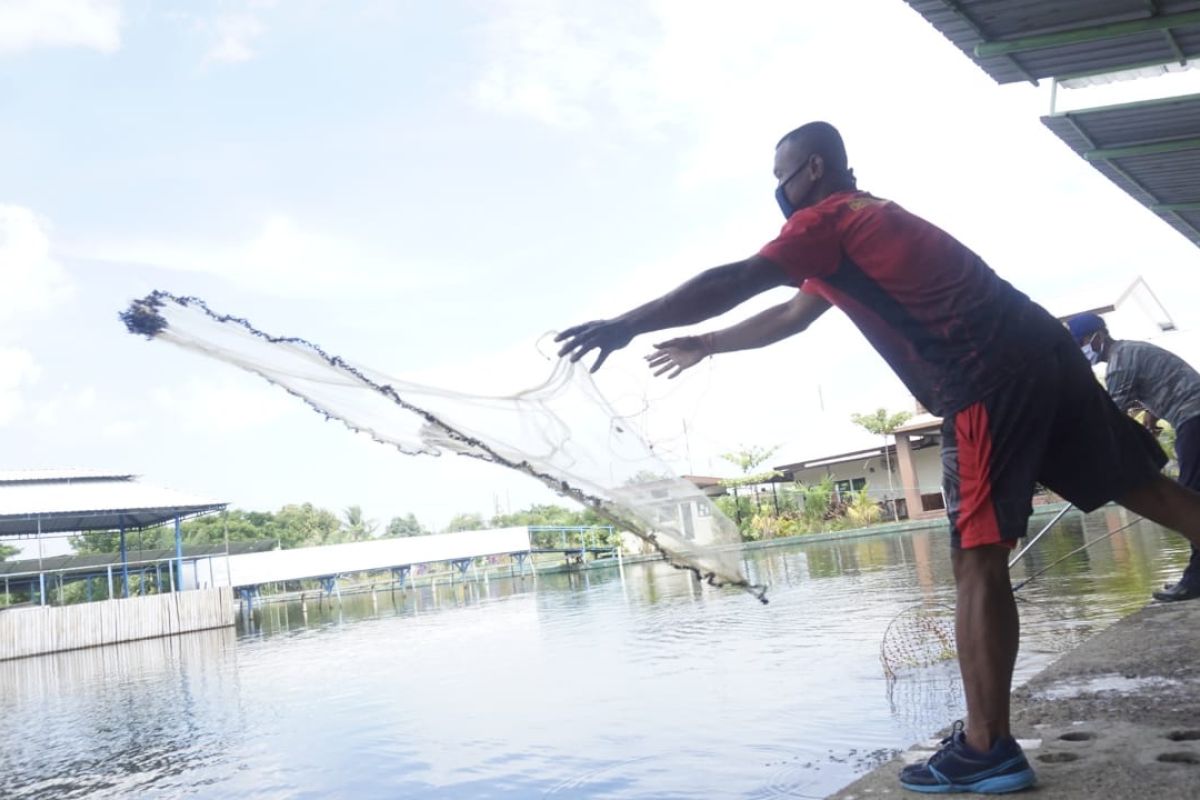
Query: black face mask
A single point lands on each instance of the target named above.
(781, 197)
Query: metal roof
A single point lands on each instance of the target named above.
(1026, 40)
(1151, 149)
(71, 474)
(91, 561)
(64, 501)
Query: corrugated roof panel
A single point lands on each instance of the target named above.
(1141, 123)
(1114, 54)
(969, 23)
(1154, 179)
(1192, 218)
(1170, 177)
(67, 474)
(92, 505)
(1008, 19)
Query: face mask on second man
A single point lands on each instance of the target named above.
(1090, 353)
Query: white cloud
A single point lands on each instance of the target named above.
(235, 32)
(34, 283)
(67, 403)
(18, 369)
(282, 258)
(235, 37)
(641, 67)
(86, 398)
(228, 405)
(119, 429)
(29, 24)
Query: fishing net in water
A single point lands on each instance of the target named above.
(920, 636)
(562, 433)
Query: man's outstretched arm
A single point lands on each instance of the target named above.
(709, 294)
(767, 327)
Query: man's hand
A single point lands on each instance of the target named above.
(606, 335)
(676, 355)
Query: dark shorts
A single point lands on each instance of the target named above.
(1187, 453)
(1054, 425)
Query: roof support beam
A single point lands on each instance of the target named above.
(1112, 153)
(1192, 206)
(957, 8)
(1090, 34)
(1175, 48)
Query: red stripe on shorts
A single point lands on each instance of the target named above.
(976, 522)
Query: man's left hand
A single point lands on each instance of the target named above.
(606, 335)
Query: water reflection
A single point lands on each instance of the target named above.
(121, 719)
(591, 684)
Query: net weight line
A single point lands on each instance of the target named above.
(413, 418)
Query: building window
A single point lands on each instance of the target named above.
(853, 485)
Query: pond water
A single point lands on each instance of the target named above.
(606, 683)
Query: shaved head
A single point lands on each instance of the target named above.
(810, 165)
(822, 139)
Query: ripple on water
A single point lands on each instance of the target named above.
(567, 686)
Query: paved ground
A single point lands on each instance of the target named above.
(1117, 718)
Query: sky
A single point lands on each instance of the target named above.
(431, 188)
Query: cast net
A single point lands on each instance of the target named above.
(919, 636)
(562, 433)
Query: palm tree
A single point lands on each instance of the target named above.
(357, 526)
(748, 459)
(883, 424)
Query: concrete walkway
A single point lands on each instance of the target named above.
(1117, 718)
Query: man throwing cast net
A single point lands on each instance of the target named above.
(971, 349)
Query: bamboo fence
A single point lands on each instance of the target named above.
(52, 629)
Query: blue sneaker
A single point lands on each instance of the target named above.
(958, 768)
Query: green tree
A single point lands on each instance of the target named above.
(465, 522)
(818, 504)
(748, 460)
(95, 542)
(862, 510)
(881, 423)
(242, 526)
(405, 526)
(548, 514)
(6, 551)
(357, 527)
(305, 525)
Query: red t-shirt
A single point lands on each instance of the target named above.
(950, 327)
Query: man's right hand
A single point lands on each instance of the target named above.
(676, 355)
(606, 335)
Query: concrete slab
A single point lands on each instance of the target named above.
(1116, 718)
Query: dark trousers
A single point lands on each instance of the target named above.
(1187, 452)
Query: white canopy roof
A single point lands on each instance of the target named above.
(45, 501)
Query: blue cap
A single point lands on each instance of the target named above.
(1084, 325)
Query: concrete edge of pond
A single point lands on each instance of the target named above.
(1117, 717)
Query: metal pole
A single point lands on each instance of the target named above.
(179, 553)
(1033, 541)
(41, 575)
(110, 583)
(124, 565)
